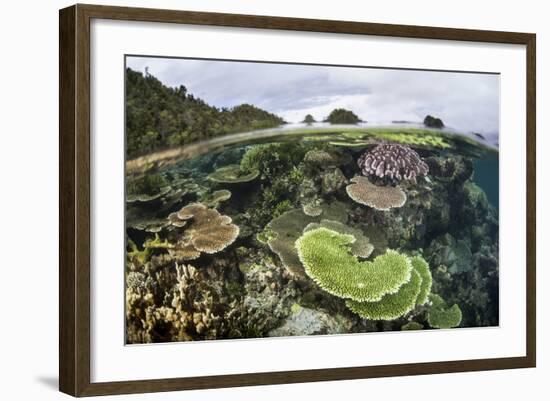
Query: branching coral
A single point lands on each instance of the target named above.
(232, 174)
(440, 316)
(326, 258)
(321, 158)
(361, 190)
(332, 180)
(398, 162)
(308, 195)
(206, 230)
(273, 159)
(146, 188)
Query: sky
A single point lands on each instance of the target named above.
(467, 102)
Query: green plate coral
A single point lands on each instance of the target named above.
(361, 247)
(422, 268)
(442, 317)
(326, 257)
(383, 289)
(391, 306)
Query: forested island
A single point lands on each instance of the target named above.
(342, 116)
(158, 116)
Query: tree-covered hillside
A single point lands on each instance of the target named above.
(158, 116)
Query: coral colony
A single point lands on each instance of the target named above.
(334, 231)
(397, 162)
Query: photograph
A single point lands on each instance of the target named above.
(273, 199)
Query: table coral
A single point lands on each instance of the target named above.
(206, 231)
(282, 232)
(383, 198)
(386, 288)
(327, 260)
(361, 247)
(215, 198)
(440, 316)
(391, 306)
(232, 174)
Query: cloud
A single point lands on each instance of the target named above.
(465, 101)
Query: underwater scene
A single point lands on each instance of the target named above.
(252, 216)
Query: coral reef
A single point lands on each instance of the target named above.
(306, 321)
(454, 254)
(423, 270)
(272, 159)
(206, 231)
(385, 289)
(361, 247)
(361, 190)
(253, 240)
(309, 197)
(332, 180)
(146, 188)
(396, 162)
(412, 325)
(281, 234)
(392, 305)
(215, 198)
(232, 174)
(319, 158)
(440, 316)
(327, 260)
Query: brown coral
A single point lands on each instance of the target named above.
(205, 230)
(361, 190)
(398, 162)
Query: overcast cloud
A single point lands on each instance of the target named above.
(464, 101)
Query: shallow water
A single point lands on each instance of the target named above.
(238, 266)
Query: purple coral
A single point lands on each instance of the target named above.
(397, 162)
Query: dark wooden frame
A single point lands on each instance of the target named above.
(74, 199)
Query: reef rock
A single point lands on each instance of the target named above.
(305, 321)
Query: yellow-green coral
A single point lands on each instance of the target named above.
(361, 247)
(442, 317)
(422, 138)
(423, 269)
(412, 325)
(391, 306)
(383, 289)
(326, 257)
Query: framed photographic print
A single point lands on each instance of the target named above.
(250, 200)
